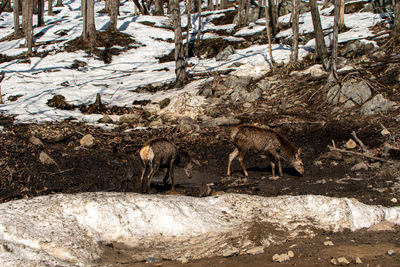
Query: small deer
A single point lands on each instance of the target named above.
(159, 152)
(274, 145)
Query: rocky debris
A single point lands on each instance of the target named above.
(229, 252)
(224, 54)
(184, 104)
(340, 261)
(360, 166)
(357, 48)
(352, 92)
(378, 104)
(328, 243)
(87, 141)
(58, 101)
(316, 71)
(36, 141)
(130, 118)
(44, 158)
(256, 250)
(383, 226)
(283, 257)
(106, 119)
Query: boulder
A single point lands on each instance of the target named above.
(87, 141)
(378, 104)
(352, 91)
(224, 54)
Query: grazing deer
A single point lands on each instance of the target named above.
(274, 145)
(159, 152)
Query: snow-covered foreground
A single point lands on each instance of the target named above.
(72, 229)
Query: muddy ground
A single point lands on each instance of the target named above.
(308, 122)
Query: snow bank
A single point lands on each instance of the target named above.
(73, 229)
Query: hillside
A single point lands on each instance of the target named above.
(348, 129)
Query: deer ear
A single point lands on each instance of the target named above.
(299, 151)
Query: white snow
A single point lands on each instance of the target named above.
(40, 79)
(69, 229)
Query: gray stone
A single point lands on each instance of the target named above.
(129, 118)
(224, 54)
(235, 82)
(360, 166)
(46, 159)
(342, 261)
(256, 250)
(377, 104)
(106, 119)
(280, 257)
(252, 96)
(230, 252)
(35, 141)
(226, 121)
(87, 141)
(358, 92)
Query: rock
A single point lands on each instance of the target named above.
(46, 159)
(391, 252)
(188, 124)
(385, 132)
(358, 260)
(280, 257)
(393, 200)
(87, 141)
(36, 141)
(377, 104)
(130, 118)
(315, 71)
(105, 119)
(359, 166)
(184, 104)
(334, 261)
(351, 144)
(252, 96)
(236, 82)
(342, 261)
(183, 260)
(205, 190)
(383, 226)
(263, 85)
(356, 48)
(163, 103)
(328, 243)
(290, 254)
(224, 54)
(256, 250)
(226, 121)
(156, 123)
(229, 252)
(352, 91)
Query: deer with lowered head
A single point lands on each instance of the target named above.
(160, 152)
(272, 144)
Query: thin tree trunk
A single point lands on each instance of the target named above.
(341, 16)
(396, 25)
(189, 25)
(273, 16)
(17, 30)
(158, 8)
(295, 29)
(336, 26)
(267, 25)
(59, 3)
(50, 7)
(114, 10)
(210, 5)
(180, 68)
(84, 22)
(40, 11)
(91, 26)
(322, 52)
(27, 18)
(224, 4)
(242, 18)
(199, 26)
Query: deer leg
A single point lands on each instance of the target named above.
(280, 167)
(153, 171)
(144, 168)
(171, 174)
(232, 156)
(241, 160)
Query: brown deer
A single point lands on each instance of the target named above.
(252, 138)
(159, 152)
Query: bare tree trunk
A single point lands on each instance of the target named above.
(295, 29)
(336, 26)
(199, 26)
(396, 25)
(84, 20)
(91, 26)
(40, 11)
(114, 10)
(142, 8)
(267, 25)
(242, 18)
(341, 16)
(59, 3)
(188, 26)
(50, 7)
(158, 8)
(17, 30)
(180, 68)
(224, 4)
(273, 14)
(210, 5)
(322, 52)
(27, 18)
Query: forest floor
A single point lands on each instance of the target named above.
(308, 122)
